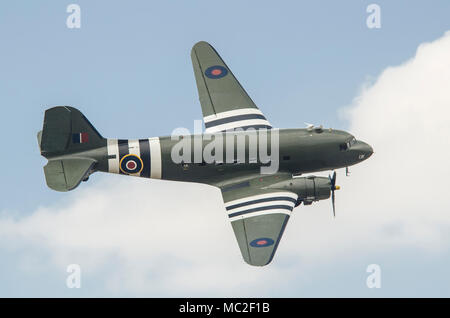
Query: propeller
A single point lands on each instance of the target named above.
(333, 188)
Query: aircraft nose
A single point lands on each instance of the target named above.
(364, 150)
(369, 150)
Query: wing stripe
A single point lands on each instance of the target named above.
(262, 196)
(231, 113)
(255, 123)
(233, 119)
(257, 205)
(234, 206)
(263, 208)
(259, 213)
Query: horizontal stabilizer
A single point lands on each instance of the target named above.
(66, 174)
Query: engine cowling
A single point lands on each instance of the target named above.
(308, 189)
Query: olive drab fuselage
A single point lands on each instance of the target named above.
(300, 151)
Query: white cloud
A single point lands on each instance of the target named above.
(158, 237)
(398, 197)
(162, 238)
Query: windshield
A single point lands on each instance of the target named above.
(348, 144)
(351, 142)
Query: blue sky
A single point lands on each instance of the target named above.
(128, 69)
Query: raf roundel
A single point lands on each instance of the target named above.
(216, 71)
(261, 242)
(131, 164)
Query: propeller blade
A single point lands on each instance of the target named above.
(333, 188)
(332, 202)
(333, 180)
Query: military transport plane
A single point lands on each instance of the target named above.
(258, 205)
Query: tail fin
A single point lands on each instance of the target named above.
(66, 140)
(66, 130)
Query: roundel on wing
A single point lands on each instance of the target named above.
(131, 164)
(216, 71)
(261, 242)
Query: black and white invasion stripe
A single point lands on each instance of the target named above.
(268, 203)
(149, 150)
(239, 118)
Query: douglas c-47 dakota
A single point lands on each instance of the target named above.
(258, 204)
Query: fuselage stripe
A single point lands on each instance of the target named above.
(155, 157)
(134, 148)
(144, 145)
(123, 149)
(113, 155)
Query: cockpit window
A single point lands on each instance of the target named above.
(348, 144)
(343, 147)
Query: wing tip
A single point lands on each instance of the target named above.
(200, 45)
(264, 261)
(258, 264)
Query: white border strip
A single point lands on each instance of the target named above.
(133, 147)
(155, 158)
(249, 215)
(261, 204)
(237, 124)
(231, 113)
(262, 196)
(113, 149)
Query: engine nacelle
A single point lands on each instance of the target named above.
(308, 189)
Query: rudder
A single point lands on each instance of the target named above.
(66, 131)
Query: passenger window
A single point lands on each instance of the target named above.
(343, 147)
(286, 157)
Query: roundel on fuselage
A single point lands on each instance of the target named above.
(131, 164)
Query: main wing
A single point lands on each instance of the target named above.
(258, 216)
(225, 104)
